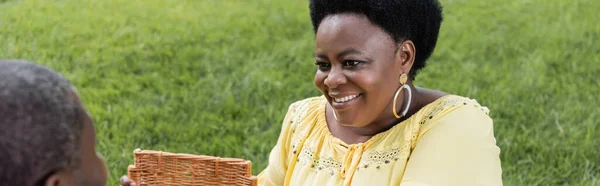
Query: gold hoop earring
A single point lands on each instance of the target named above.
(403, 79)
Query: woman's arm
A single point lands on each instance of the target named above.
(459, 149)
(274, 174)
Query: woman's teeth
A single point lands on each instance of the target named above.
(345, 99)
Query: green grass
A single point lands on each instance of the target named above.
(216, 76)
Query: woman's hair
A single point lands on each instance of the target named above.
(415, 20)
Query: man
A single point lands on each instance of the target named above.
(46, 135)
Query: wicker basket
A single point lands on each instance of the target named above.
(157, 168)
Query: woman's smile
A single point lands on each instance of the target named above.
(344, 102)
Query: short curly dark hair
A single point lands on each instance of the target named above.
(40, 124)
(415, 20)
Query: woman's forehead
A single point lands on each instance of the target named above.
(338, 22)
(350, 31)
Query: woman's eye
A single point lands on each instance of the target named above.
(323, 66)
(351, 64)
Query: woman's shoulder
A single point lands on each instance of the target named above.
(308, 104)
(451, 102)
(303, 114)
(455, 109)
(306, 108)
(439, 103)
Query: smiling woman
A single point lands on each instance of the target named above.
(372, 126)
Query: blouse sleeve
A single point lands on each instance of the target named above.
(457, 149)
(274, 174)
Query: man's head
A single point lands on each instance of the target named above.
(46, 135)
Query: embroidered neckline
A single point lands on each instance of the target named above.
(373, 159)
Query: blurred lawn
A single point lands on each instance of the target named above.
(216, 76)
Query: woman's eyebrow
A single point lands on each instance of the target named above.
(347, 51)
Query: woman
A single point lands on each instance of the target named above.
(372, 126)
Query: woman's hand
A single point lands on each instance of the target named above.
(125, 181)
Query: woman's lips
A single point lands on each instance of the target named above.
(340, 103)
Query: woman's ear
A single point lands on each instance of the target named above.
(62, 178)
(405, 56)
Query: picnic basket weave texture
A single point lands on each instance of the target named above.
(157, 168)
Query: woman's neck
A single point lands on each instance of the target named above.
(354, 135)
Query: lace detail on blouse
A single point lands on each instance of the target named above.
(374, 159)
(322, 163)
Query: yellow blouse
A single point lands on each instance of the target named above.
(448, 142)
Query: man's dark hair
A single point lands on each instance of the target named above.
(40, 123)
(415, 20)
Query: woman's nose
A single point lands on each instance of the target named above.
(335, 78)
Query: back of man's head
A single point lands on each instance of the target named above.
(40, 123)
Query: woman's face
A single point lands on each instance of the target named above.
(358, 69)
